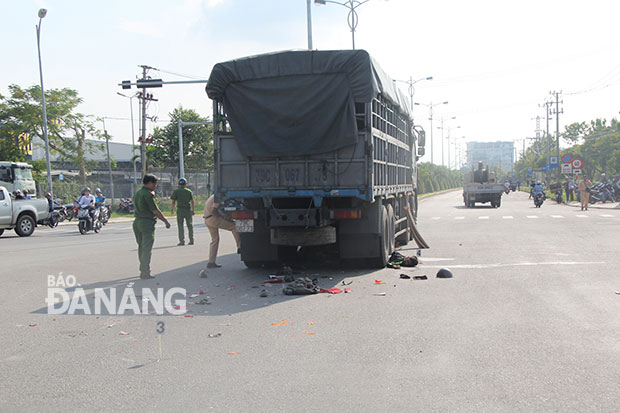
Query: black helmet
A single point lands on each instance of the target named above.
(182, 181)
(444, 273)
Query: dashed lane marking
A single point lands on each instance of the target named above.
(483, 217)
(436, 218)
(606, 216)
(532, 216)
(459, 217)
(557, 216)
(507, 217)
(581, 216)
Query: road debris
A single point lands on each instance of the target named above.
(32, 325)
(234, 353)
(193, 295)
(379, 282)
(398, 260)
(405, 277)
(123, 333)
(420, 277)
(204, 301)
(331, 290)
(301, 286)
(380, 294)
(215, 335)
(347, 290)
(264, 293)
(281, 323)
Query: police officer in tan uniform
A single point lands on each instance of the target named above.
(214, 222)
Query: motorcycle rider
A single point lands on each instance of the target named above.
(50, 207)
(538, 189)
(87, 200)
(99, 199)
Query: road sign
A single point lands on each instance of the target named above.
(577, 163)
(547, 168)
(567, 168)
(553, 160)
(577, 171)
(566, 158)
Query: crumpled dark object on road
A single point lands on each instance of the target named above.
(420, 277)
(405, 277)
(301, 286)
(398, 260)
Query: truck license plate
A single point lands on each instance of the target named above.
(244, 225)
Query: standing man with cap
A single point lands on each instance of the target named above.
(215, 221)
(146, 213)
(185, 211)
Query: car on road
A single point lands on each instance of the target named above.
(21, 215)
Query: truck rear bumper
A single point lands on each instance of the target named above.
(303, 236)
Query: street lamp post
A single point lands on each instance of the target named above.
(430, 107)
(133, 142)
(448, 138)
(412, 82)
(352, 18)
(42, 13)
(309, 17)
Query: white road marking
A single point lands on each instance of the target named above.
(532, 216)
(436, 218)
(516, 264)
(508, 217)
(581, 216)
(483, 217)
(435, 259)
(459, 217)
(606, 216)
(557, 216)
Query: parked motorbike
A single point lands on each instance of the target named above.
(539, 198)
(125, 206)
(87, 221)
(52, 223)
(558, 197)
(601, 192)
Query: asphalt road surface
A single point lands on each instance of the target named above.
(530, 322)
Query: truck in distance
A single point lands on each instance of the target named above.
(480, 185)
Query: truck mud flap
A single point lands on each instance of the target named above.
(414, 231)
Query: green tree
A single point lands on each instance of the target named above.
(68, 130)
(197, 142)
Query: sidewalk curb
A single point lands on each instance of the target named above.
(593, 206)
(445, 191)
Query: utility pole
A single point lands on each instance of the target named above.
(557, 113)
(143, 126)
(107, 148)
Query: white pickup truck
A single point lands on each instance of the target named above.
(21, 214)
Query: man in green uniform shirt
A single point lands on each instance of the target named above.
(185, 210)
(146, 213)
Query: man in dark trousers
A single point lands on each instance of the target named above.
(146, 213)
(185, 210)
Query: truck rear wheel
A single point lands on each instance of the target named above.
(25, 226)
(391, 228)
(384, 243)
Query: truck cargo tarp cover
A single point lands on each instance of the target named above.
(298, 102)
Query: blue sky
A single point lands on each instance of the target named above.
(494, 61)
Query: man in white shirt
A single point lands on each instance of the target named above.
(87, 200)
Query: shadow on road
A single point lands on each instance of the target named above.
(228, 290)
